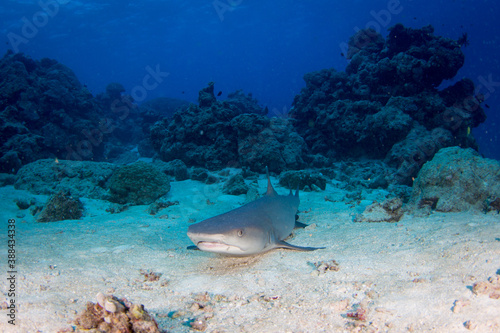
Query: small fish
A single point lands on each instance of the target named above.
(220, 93)
(468, 130)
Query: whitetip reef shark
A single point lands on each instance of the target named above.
(256, 227)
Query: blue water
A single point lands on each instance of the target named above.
(262, 47)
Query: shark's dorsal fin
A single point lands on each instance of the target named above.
(270, 189)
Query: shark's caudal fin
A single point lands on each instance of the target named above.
(270, 189)
(285, 245)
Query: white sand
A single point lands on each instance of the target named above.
(408, 275)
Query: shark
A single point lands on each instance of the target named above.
(254, 228)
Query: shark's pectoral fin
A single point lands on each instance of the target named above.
(285, 245)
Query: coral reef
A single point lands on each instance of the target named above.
(454, 180)
(7, 179)
(386, 104)
(61, 206)
(45, 112)
(137, 184)
(245, 103)
(152, 111)
(49, 176)
(302, 179)
(176, 168)
(111, 314)
(216, 135)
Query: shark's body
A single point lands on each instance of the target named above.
(256, 227)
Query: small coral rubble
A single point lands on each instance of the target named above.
(323, 266)
(490, 287)
(111, 314)
(389, 210)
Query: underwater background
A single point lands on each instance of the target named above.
(261, 48)
(123, 124)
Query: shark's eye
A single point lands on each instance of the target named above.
(240, 232)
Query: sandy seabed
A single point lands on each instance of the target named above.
(412, 276)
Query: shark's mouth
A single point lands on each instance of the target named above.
(215, 247)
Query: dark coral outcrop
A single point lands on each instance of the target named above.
(61, 206)
(386, 104)
(45, 112)
(232, 133)
(138, 184)
(456, 180)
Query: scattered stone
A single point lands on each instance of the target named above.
(61, 207)
(150, 276)
(199, 174)
(235, 185)
(490, 288)
(389, 210)
(112, 314)
(160, 204)
(24, 203)
(459, 304)
(199, 324)
(471, 325)
(360, 313)
(211, 179)
(323, 266)
(116, 208)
